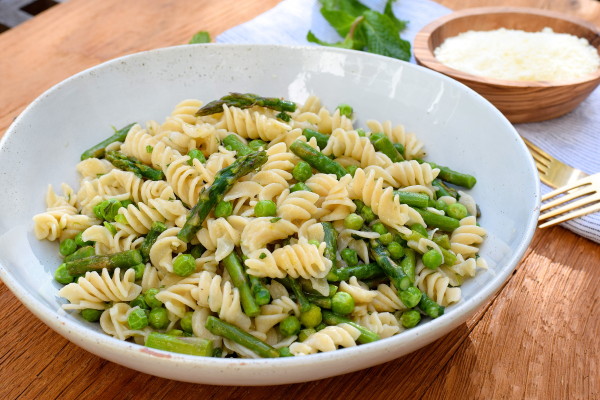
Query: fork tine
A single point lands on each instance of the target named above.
(568, 197)
(536, 150)
(541, 167)
(567, 188)
(570, 206)
(571, 215)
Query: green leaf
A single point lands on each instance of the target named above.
(382, 36)
(200, 37)
(400, 24)
(353, 7)
(346, 44)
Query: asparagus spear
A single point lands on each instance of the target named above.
(409, 264)
(246, 100)
(420, 200)
(360, 271)
(155, 230)
(322, 138)
(383, 144)
(237, 145)
(442, 222)
(321, 301)
(82, 252)
(131, 164)
(409, 294)
(443, 189)
(125, 259)
(330, 239)
(240, 280)
(317, 160)
(366, 335)
(261, 293)
(186, 345)
(430, 307)
(295, 287)
(99, 149)
(224, 179)
(221, 328)
(454, 177)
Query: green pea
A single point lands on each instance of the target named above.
(79, 240)
(184, 264)
(67, 247)
(196, 154)
(353, 221)
(107, 209)
(122, 219)
(346, 110)
(351, 169)
(396, 250)
(359, 205)
(350, 256)
(223, 209)
(299, 186)
(302, 171)
(91, 315)
(305, 333)
(158, 318)
(432, 259)
(342, 303)
(150, 297)
(197, 251)
(137, 319)
(379, 228)
(367, 214)
(289, 326)
(140, 302)
(386, 238)
(314, 242)
(257, 144)
(457, 211)
(61, 275)
(410, 318)
(186, 322)
(265, 208)
(312, 317)
(285, 352)
(139, 271)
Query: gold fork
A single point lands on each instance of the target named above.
(581, 198)
(553, 172)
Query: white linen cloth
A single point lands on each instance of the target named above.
(573, 138)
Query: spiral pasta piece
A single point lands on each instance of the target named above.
(161, 252)
(297, 206)
(330, 122)
(138, 189)
(350, 144)
(113, 322)
(336, 203)
(436, 285)
(327, 339)
(222, 234)
(384, 324)
(90, 168)
(296, 260)
(252, 124)
(413, 147)
(265, 230)
(178, 298)
(107, 243)
(383, 202)
(409, 173)
(141, 216)
(466, 237)
(94, 290)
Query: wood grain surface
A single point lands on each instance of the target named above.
(536, 339)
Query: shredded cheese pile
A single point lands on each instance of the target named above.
(520, 56)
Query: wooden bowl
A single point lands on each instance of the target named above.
(519, 101)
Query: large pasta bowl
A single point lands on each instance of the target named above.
(459, 128)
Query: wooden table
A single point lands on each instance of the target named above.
(537, 339)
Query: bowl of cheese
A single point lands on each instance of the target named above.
(532, 64)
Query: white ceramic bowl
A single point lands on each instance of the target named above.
(459, 127)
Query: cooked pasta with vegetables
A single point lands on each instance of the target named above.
(257, 227)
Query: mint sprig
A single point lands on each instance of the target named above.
(364, 29)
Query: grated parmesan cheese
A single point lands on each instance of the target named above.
(520, 56)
